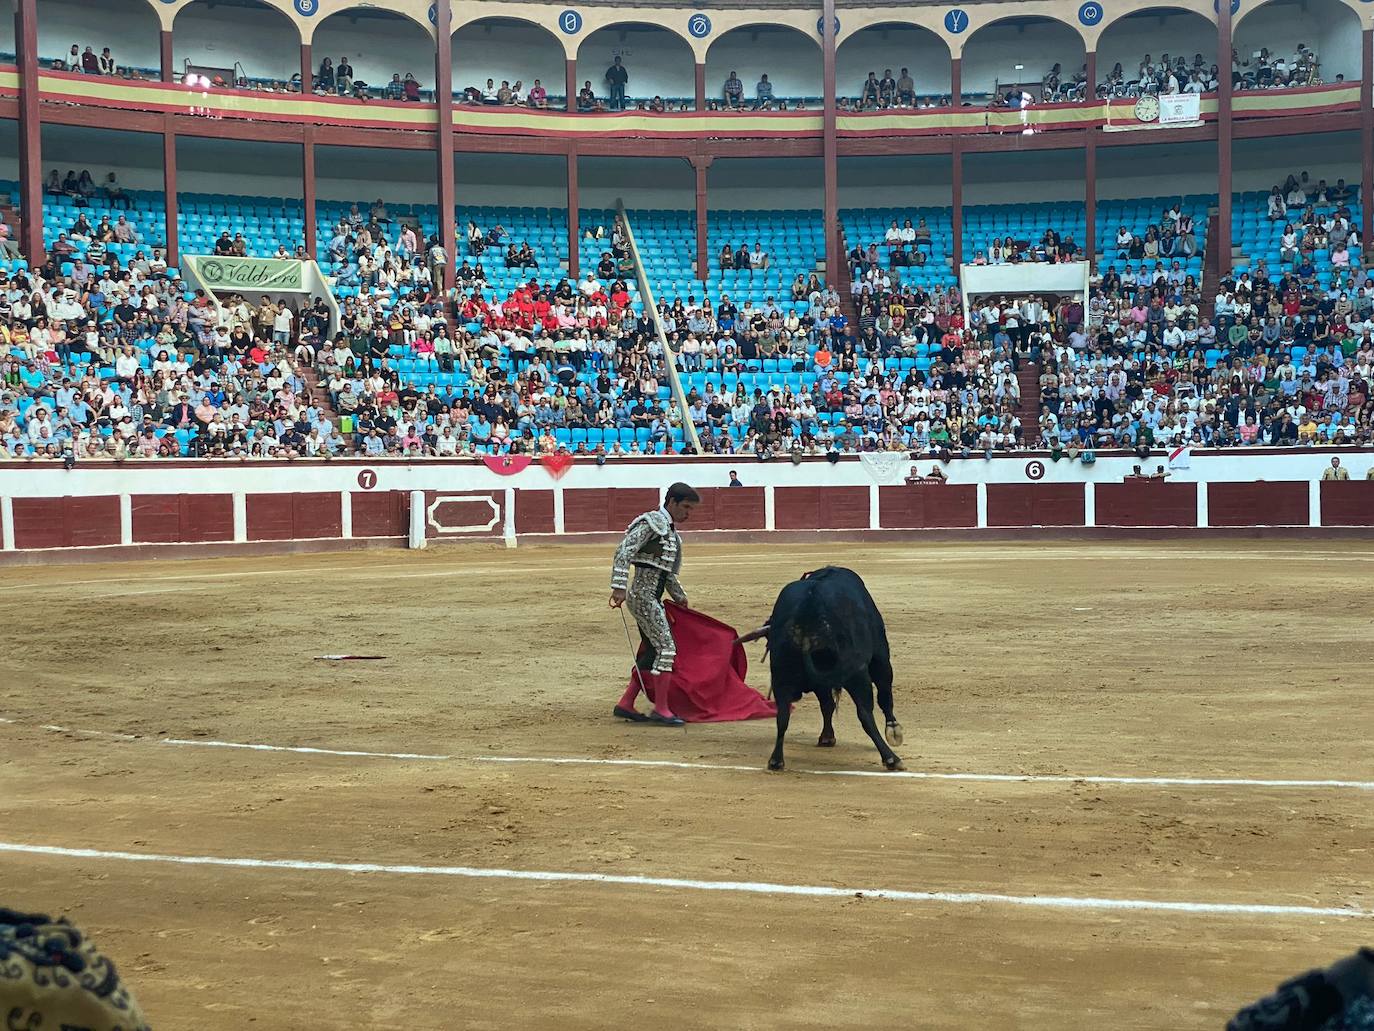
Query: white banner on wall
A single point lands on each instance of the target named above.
(1179, 107)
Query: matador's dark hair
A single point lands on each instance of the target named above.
(681, 492)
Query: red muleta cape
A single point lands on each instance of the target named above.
(707, 683)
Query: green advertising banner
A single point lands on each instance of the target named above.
(240, 275)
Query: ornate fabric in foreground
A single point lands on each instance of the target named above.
(53, 978)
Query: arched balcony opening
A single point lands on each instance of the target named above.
(367, 52)
(495, 53)
(243, 42)
(1019, 56)
(1138, 53)
(774, 65)
(659, 64)
(892, 65)
(1297, 43)
(115, 37)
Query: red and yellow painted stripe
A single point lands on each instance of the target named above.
(137, 95)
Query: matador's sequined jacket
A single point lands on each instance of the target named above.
(651, 544)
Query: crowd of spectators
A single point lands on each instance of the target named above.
(508, 94)
(1053, 247)
(1264, 70)
(88, 62)
(965, 398)
(83, 189)
(105, 361)
(1173, 237)
(742, 259)
(1169, 75)
(1274, 359)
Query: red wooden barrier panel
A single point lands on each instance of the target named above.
(1035, 504)
(728, 508)
(182, 518)
(931, 506)
(534, 511)
(1146, 503)
(1258, 503)
(820, 508)
(288, 517)
(71, 522)
(383, 513)
(606, 509)
(1347, 502)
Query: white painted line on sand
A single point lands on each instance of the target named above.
(957, 898)
(349, 753)
(540, 760)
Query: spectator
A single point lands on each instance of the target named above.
(586, 99)
(734, 91)
(617, 76)
(764, 94)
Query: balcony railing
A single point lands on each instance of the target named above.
(254, 105)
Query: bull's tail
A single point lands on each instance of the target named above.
(822, 665)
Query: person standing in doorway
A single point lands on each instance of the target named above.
(616, 77)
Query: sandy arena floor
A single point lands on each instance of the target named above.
(1200, 661)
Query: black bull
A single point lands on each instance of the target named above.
(826, 636)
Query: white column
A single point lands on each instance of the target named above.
(126, 519)
(1204, 514)
(508, 529)
(768, 507)
(1089, 504)
(558, 510)
(981, 505)
(418, 519)
(1314, 503)
(345, 514)
(240, 517)
(7, 518)
(875, 516)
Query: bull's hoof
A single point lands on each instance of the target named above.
(894, 733)
(826, 741)
(775, 764)
(894, 765)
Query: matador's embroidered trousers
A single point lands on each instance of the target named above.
(657, 649)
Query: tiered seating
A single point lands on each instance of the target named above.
(145, 211)
(864, 226)
(794, 240)
(1022, 222)
(1138, 216)
(265, 222)
(667, 242)
(1258, 237)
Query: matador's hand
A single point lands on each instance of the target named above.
(617, 597)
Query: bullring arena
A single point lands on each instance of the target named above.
(355, 355)
(1137, 790)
